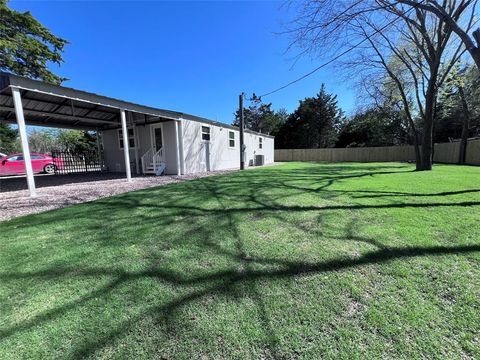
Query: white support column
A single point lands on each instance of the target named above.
(126, 150)
(182, 154)
(137, 143)
(99, 150)
(17, 101)
(177, 148)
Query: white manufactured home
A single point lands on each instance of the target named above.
(135, 138)
(184, 146)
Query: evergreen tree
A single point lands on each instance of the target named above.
(26, 46)
(8, 139)
(314, 124)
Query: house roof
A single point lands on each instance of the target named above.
(46, 104)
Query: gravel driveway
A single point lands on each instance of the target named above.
(62, 190)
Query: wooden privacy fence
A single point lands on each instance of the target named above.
(444, 153)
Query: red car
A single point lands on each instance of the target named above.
(14, 164)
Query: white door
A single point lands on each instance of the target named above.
(206, 138)
(157, 137)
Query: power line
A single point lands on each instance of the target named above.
(339, 55)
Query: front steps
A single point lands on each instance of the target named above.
(160, 169)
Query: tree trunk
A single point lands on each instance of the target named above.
(428, 120)
(427, 147)
(418, 153)
(465, 127)
(427, 136)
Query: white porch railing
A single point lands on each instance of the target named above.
(147, 159)
(151, 160)
(158, 158)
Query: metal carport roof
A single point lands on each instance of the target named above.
(53, 105)
(59, 106)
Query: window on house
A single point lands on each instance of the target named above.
(206, 133)
(231, 139)
(260, 143)
(131, 138)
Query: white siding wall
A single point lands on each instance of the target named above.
(114, 155)
(222, 157)
(253, 148)
(170, 147)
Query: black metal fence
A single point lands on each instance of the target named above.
(67, 162)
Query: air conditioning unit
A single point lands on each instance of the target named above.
(259, 160)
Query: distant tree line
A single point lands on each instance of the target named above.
(47, 140)
(8, 139)
(318, 122)
(314, 124)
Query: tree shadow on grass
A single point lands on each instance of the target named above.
(223, 200)
(223, 281)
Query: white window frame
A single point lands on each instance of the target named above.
(260, 142)
(130, 137)
(231, 139)
(209, 132)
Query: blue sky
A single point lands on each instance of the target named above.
(194, 57)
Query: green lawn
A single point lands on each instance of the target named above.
(300, 260)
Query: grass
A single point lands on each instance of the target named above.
(301, 260)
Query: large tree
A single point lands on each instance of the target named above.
(453, 20)
(408, 47)
(314, 124)
(27, 47)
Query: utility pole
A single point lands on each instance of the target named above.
(242, 145)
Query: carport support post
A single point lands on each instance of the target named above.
(126, 150)
(17, 102)
(99, 150)
(182, 154)
(242, 128)
(137, 143)
(177, 138)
